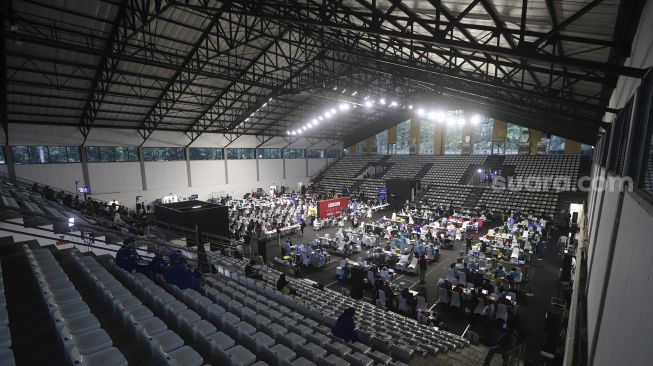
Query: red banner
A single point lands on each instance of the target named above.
(332, 208)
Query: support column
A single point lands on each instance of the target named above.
(9, 161)
(392, 140)
(258, 173)
(187, 153)
(414, 135)
(141, 160)
(572, 147)
(226, 166)
(534, 136)
(84, 160)
(499, 133)
(371, 146)
(438, 144)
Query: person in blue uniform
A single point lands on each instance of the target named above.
(127, 257)
(345, 327)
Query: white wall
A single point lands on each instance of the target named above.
(241, 171)
(599, 260)
(61, 176)
(165, 174)
(115, 177)
(623, 328)
(315, 166)
(207, 172)
(270, 169)
(627, 319)
(295, 168)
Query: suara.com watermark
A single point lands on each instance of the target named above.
(540, 183)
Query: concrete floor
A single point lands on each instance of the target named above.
(530, 322)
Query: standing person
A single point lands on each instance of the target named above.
(505, 344)
(422, 268)
(468, 240)
(302, 225)
(345, 327)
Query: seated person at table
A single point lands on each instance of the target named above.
(501, 272)
(388, 291)
(410, 299)
(127, 257)
(285, 248)
(252, 272)
(345, 327)
(472, 266)
(284, 286)
(513, 274)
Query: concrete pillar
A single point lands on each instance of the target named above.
(141, 160)
(572, 147)
(438, 144)
(414, 135)
(534, 136)
(371, 146)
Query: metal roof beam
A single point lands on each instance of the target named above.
(557, 28)
(280, 13)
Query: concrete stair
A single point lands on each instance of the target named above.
(467, 356)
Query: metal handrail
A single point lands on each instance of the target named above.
(26, 183)
(105, 230)
(145, 245)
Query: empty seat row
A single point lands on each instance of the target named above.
(85, 342)
(162, 345)
(310, 341)
(201, 323)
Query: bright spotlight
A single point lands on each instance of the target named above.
(314, 121)
(304, 128)
(333, 111)
(476, 119)
(335, 87)
(309, 125)
(327, 114)
(287, 132)
(420, 112)
(410, 106)
(71, 221)
(354, 93)
(320, 118)
(299, 131)
(480, 171)
(393, 104)
(343, 107)
(264, 105)
(461, 120)
(368, 104)
(440, 116)
(382, 101)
